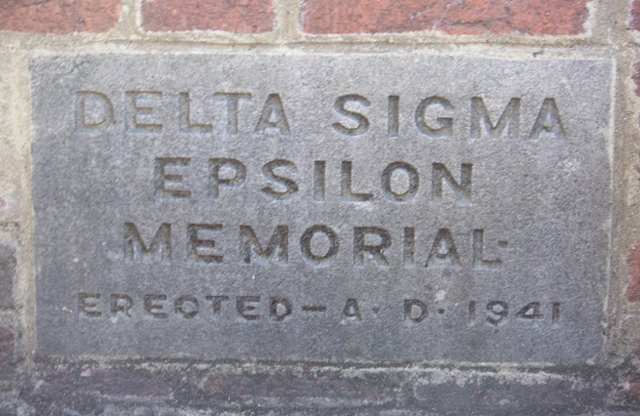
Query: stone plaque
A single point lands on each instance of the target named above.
(371, 207)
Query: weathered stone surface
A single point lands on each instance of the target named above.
(474, 248)
(7, 274)
(7, 344)
(177, 387)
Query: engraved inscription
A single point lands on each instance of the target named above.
(301, 206)
(367, 243)
(281, 183)
(434, 116)
(280, 308)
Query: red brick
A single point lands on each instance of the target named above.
(633, 262)
(238, 16)
(470, 17)
(635, 15)
(59, 16)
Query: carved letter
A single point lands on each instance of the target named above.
(279, 309)
(87, 104)
(443, 250)
(289, 184)
(153, 305)
(412, 176)
(375, 250)
(135, 126)
(121, 303)
(195, 244)
(216, 303)
(185, 120)
(318, 180)
(187, 306)
(409, 246)
(232, 100)
(215, 181)
(444, 129)
(345, 186)
(273, 116)
(352, 310)
(243, 306)
(510, 119)
(305, 243)
(478, 248)
(461, 190)
(548, 120)
(160, 178)
(363, 122)
(393, 116)
(136, 249)
(279, 244)
(86, 307)
(410, 306)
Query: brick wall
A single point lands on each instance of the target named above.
(532, 29)
(318, 17)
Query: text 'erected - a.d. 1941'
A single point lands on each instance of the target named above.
(386, 207)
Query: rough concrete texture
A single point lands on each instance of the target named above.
(212, 388)
(32, 383)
